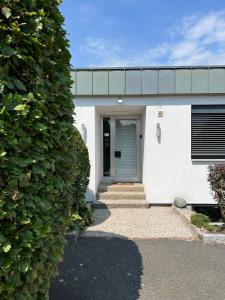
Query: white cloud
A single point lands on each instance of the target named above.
(103, 52)
(196, 40)
(201, 40)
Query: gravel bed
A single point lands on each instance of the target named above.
(156, 222)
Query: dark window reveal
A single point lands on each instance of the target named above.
(208, 132)
(106, 146)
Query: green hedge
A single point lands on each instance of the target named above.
(82, 170)
(81, 214)
(37, 169)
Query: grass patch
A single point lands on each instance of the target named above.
(202, 221)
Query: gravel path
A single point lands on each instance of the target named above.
(156, 222)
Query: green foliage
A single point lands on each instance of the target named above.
(202, 221)
(37, 159)
(80, 219)
(81, 213)
(86, 213)
(82, 170)
(216, 180)
(199, 220)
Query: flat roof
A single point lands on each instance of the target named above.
(152, 80)
(148, 67)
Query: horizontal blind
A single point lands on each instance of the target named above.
(208, 133)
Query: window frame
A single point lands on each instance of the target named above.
(206, 109)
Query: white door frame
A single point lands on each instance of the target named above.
(113, 177)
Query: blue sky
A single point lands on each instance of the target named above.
(145, 32)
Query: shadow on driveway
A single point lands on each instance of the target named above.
(99, 268)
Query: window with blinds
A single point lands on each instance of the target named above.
(208, 132)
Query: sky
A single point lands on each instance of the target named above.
(115, 33)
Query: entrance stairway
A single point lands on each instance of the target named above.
(121, 195)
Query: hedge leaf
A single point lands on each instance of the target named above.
(38, 160)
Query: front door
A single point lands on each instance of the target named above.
(121, 153)
(126, 148)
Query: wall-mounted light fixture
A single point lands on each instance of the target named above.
(158, 132)
(84, 133)
(160, 113)
(120, 100)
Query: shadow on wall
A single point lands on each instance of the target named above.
(99, 268)
(90, 196)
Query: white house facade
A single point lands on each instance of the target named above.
(161, 126)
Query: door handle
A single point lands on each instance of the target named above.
(118, 154)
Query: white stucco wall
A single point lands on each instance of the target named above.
(98, 150)
(168, 170)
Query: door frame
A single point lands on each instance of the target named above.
(113, 177)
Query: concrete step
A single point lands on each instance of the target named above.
(121, 187)
(122, 203)
(121, 195)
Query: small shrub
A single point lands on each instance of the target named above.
(202, 221)
(212, 228)
(216, 179)
(199, 220)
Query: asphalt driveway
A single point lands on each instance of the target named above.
(120, 269)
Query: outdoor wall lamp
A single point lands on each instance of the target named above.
(120, 100)
(84, 133)
(158, 132)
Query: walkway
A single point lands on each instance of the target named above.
(139, 223)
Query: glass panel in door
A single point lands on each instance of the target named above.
(126, 148)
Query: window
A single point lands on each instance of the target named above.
(208, 132)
